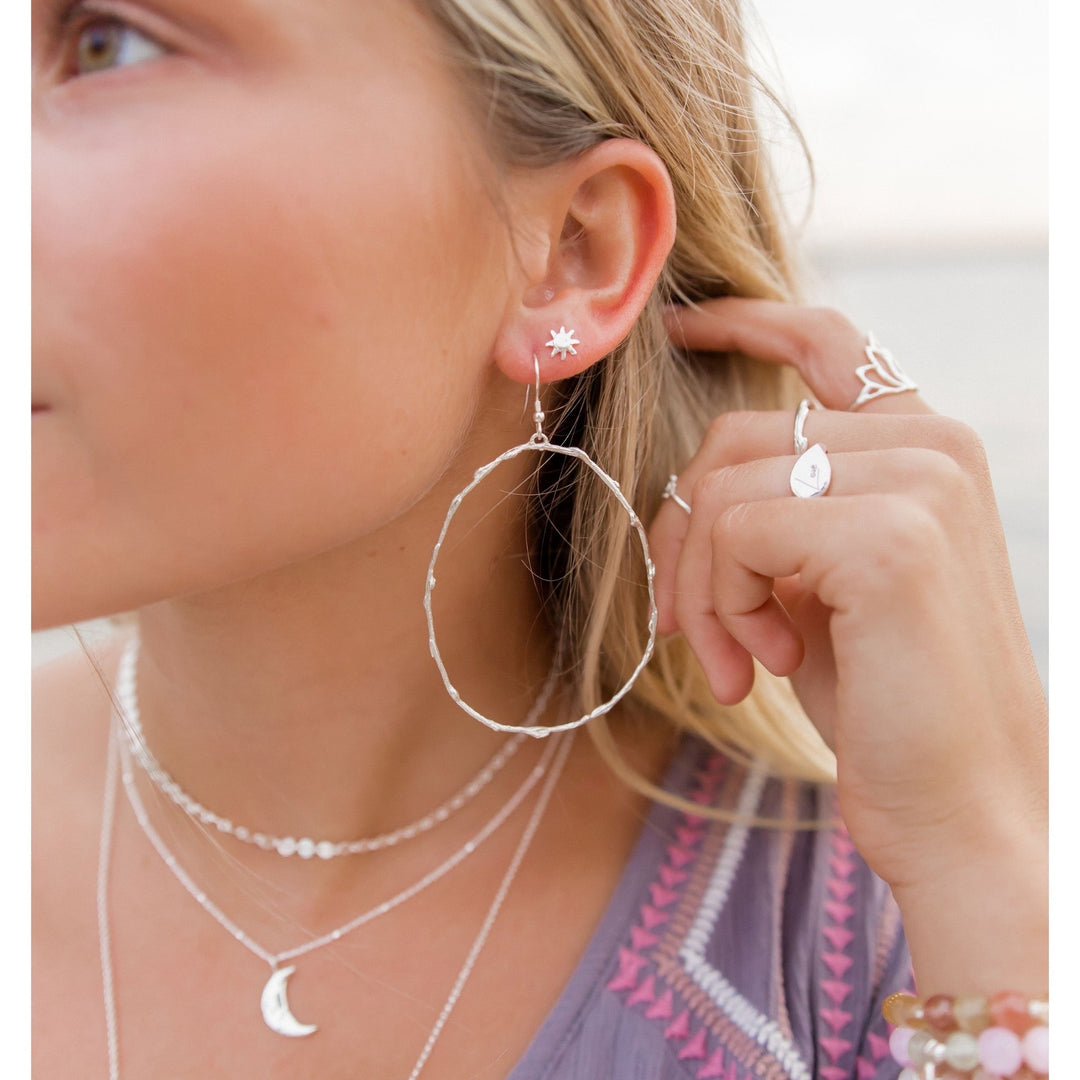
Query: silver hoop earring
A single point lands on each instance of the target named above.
(540, 443)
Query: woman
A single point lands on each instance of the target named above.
(297, 269)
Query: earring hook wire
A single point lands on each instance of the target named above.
(538, 436)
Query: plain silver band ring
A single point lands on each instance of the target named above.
(671, 493)
(801, 441)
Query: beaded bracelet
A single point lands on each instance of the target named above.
(1006, 1035)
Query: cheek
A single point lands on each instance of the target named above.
(247, 329)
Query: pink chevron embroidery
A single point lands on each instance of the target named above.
(836, 990)
(839, 912)
(695, 1049)
(835, 1047)
(835, 1018)
(703, 797)
(662, 1009)
(629, 966)
(839, 936)
(840, 889)
(641, 938)
(841, 867)
(879, 1047)
(645, 992)
(671, 877)
(679, 1028)
(714, 1067)
(688, 837)
(679, 856)
(651, 917)
(693, 819)
(837, 963)
(865, 1070)
(661, 897)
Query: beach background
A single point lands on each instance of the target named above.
(928, 131)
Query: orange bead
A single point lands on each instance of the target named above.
(1009, 1009)
(938, 1013)
(901, 1009)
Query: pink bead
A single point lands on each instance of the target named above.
(1035, 1046)
(999, 1050)
(898, 1043)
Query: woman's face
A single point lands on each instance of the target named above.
(266, 284)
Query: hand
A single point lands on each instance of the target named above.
(888, 600)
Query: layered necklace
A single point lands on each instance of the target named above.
(273, 1000)
(305, 847)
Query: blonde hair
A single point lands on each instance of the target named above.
(552, 78)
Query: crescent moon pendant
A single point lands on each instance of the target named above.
(275, 1006)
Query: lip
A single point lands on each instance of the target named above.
(36, 410)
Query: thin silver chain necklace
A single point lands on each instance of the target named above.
(305, 847)
(274, 1002)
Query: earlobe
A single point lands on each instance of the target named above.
(607, 222)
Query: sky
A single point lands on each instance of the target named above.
(927, 120)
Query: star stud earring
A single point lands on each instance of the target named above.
(562, 341)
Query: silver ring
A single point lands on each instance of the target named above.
(881, 375)
(811, 474)
(671, 493)
(801, 442)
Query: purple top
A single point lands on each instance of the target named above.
(733, 952)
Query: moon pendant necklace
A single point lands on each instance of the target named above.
(274, 1001)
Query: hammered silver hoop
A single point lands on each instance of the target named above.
(539, 443)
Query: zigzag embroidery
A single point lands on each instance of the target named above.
(746, 1018)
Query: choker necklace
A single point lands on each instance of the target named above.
(288, 845)
(274, 1002)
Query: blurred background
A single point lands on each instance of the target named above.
(927, 123)
(928, 127)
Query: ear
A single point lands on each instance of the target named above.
(592, 236)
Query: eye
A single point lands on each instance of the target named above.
(103, 42)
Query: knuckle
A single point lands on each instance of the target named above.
(725, 429)
(938, 475)
(819, 334)
(959, 441)
(832, 321)
(908, 538)
(714, 487)
(728, 522)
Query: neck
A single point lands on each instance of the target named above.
(305, 702)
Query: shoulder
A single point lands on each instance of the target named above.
(755, 949)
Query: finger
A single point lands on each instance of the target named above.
(742, 598)
(666, 536)
(735, 438)
(728, 667)
(822, 344)
(850, 551)
(716, 488)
